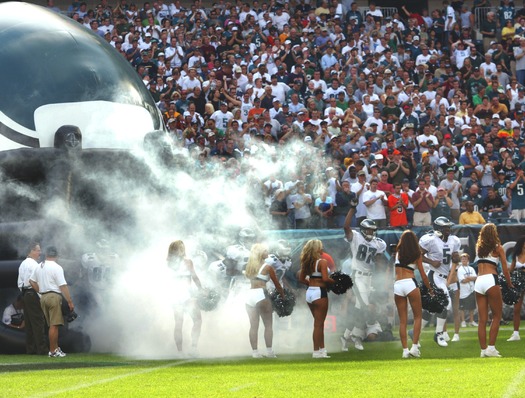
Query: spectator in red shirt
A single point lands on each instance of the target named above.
(384, 185)
(398, 204)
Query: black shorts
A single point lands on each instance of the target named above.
(468, 303)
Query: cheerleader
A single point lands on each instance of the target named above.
(259, 271)
(184, 275)
(314, 274)
(408, 259)
(518, 265)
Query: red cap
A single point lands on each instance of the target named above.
(396, 152)
(447, 136)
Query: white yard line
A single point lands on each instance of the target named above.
(513, 390)
(109, 379)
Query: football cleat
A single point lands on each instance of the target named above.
(57, 353)
(492, 352)
(320, 354)
(440, 340)
(358, 344)
(414, 351)
(344, 344)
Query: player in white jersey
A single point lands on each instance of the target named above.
(440, 249)
(365, 248)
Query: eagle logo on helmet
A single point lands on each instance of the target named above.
(441, 224)
(368, 228)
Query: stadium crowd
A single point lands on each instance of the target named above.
(408, 117)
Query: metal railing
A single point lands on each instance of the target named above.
(480, 15)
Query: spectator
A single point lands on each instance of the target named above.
(442, 204)
(279, 210)
(375, 201)
(359, 188)
(467, 298)
(493, 203)
(324, 207)
(517, 194)
(302, 207)
(398, 205)
(470, 216)
(345, 199)
(454, 192)
(472, 195)
(423, 203)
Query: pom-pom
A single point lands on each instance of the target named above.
(208, 299)
(436, 303)
(510, 295)
(343, 282)
(282, 306)
(518, 280)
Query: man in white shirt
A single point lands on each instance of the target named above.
(34, 317)
(375, 201)
(191, 81)
(222, 117)
(48, 280)
(15, 308)
(279, 89)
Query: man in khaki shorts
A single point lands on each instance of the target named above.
(48, 280)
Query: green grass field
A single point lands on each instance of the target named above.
(379, 371)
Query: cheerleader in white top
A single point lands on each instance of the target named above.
(314, 274)
(518, 265)
(408, 259)
(184, 275)
(488, 293)
(258, 305)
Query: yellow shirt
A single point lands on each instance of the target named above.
(471, 218)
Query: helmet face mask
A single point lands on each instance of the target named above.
(442, 227)
(368, 228)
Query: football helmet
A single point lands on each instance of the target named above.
(442, 226)
(368, 228)
(283, 249)
(271, 260)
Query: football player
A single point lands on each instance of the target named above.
(440, 249)
(365, 248)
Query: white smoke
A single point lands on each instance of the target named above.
(133, 315)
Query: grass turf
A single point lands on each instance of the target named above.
(379, 371)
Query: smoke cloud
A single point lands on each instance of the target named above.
(138, 204)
